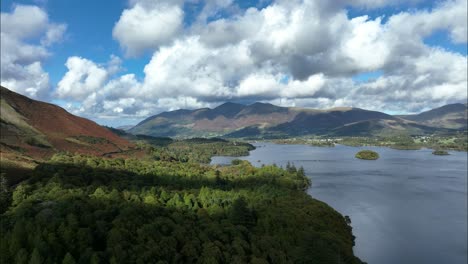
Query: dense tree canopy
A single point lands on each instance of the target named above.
(82, 209)
(192, 150)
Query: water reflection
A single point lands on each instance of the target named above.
(407, 207)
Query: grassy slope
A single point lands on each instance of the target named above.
(35, 126)
(15, 128)
(451, 116)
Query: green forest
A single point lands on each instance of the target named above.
(188, 150)
(85, 209)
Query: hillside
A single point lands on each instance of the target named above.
(75, 208)
(322, 122)
(219, 121)
(448, 116)
(384, 128)
(260, 120)
(37, 129)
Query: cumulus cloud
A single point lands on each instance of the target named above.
(91, 91)
(26, 34)
(147, 25)
(298, 53)
(450, 15)
(190, 68)
(114, 65)
(438, 77)
(53, 34)
(83, 78)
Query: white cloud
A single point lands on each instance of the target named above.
(304, 89)
(26, 33)
(259, 85)
(83, 78)
(125, 86)
(87, 85)
(449, 15)
(24, 22)
(192, 69)
(365, 45)
(54, 34)
(148, 25)
(31, 80)
(114, 65)
(301, 53)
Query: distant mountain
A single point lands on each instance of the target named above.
(322, 122)
(448, 116)
(384, 128)
(228, 110)
(219, 121)
(38, 129)
(260, 120)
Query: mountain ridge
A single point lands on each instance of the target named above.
(448, 116)
(267, 120)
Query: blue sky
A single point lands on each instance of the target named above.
(372, 54)
(89, 32)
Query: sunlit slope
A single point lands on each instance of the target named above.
(36, 128)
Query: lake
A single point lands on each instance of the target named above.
(409, 206)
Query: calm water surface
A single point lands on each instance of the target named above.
(406, 207)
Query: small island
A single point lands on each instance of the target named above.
(367, 155)
(440, 152)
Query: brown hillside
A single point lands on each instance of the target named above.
(39, 129)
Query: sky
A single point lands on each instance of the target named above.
(118, 62)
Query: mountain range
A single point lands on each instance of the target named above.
(37, 129)
(262, 120)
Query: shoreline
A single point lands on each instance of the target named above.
(335, 143)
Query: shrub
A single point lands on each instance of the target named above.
(440, 152)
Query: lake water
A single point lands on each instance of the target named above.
(407, 207)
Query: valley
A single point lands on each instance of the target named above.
(167, 185)
(243, 132)
(83, 193)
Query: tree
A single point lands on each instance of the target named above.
(36, 257)
(5, 196)
(94, 259)
(68, 259)
(218, 180)
(300, 172)
(99, 193)
(175, 201)
(240, 214)
(211, 254)
(347, 220)
(22, 256)
(19, 194)
(18, 237)
(150, 199)
(3, 183)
